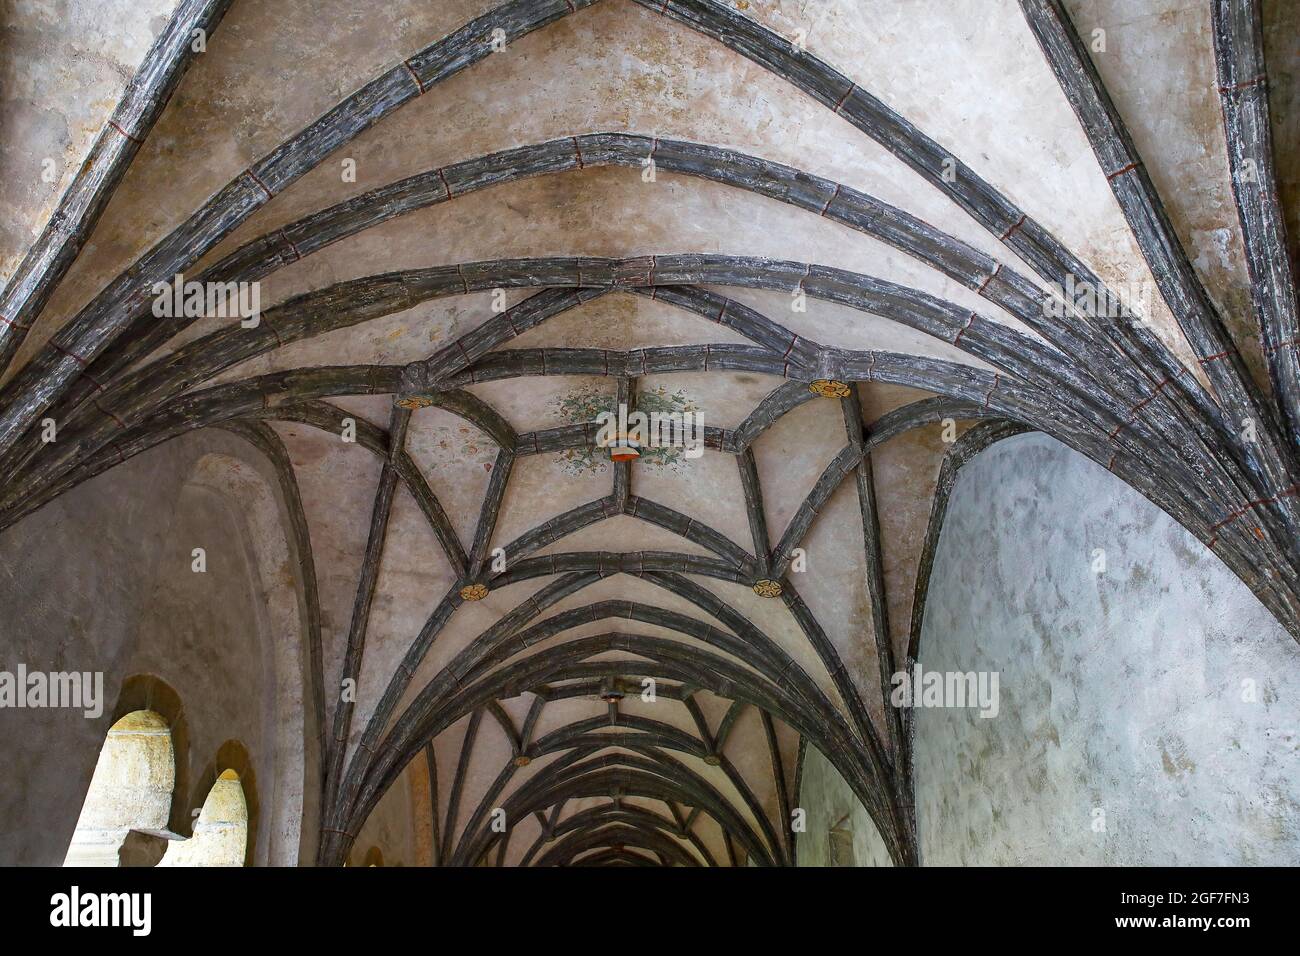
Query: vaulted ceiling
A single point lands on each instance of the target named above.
(837, 231)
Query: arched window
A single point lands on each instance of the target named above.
(221, 831)
(130, 790)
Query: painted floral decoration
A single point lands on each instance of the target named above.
(585, 403)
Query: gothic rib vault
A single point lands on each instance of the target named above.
(833, 232)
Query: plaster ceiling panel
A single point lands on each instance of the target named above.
(540, 763)
(490, 755)
(517, 707)
(639, 72)
(711, 833)
(447, 747)
(405, 336)
(748, 750)
(62, 73)
(678, 487)
(612, 18)
(611, 212)
(616, 625)
(791, 456)
(558, 714)
(725, 398)
(881, 398)
(611, 624)
(625, 533)
(1161, 51)
(457, 459)
(408, 336)
(713, 707)
(537, 402)
(834, 587)
(717, 778)
(613, 587)
(628, 587)
(413, 577)
(468, 622)
(337, 482)
(771, 617)
(269, 71)
(545, 486)
(906, 469)
(788, 743)
(622, 322)
(1019, 134)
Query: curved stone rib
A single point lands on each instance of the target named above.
(571, 736)
(638, 816)
(378, 295)
(331, 418)
(490, 649)
(499, 644)
(567, 850)
(653, 743)
(1005, 288)
(1021, 304)
(1002, 396)
(1243, 93)
(652, 734)
(368, 579)
(1015, 228)
(874, 560)
(1269, 456)
(832, 475)
(47, 376)
(717, 675)
(760, 44)
(660, 778)
(999, 395)
(262, 437)
(83, 202)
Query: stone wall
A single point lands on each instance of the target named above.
(839, 831)
(1147, 711)
(102, 580)
(1157, 696)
